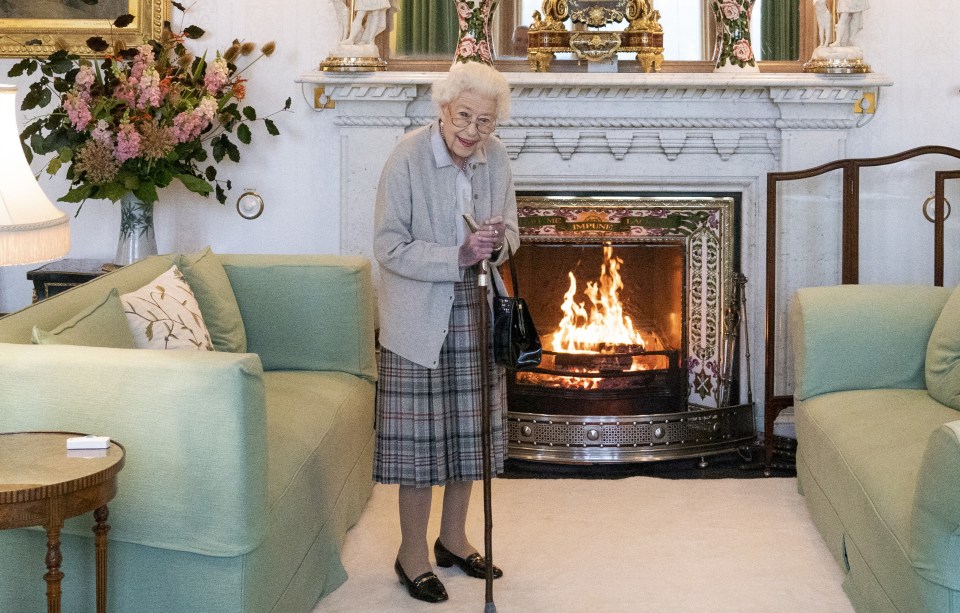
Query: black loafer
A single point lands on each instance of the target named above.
(474, 564)
(426, 587)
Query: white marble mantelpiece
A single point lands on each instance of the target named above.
(679, 101)
(638, 129)
(623, 133)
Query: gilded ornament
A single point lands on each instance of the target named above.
(643, 34)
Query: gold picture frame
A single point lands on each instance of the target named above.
(30, 28)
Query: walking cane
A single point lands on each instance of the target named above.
(485, 437)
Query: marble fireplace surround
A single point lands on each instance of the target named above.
(582, 133)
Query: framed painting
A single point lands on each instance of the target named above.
(32, 27)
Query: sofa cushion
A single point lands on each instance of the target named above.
(164, 314)
(102, 324)
(292, 328)
(212, 289)
(943, 354)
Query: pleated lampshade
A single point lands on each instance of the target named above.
(32, 229)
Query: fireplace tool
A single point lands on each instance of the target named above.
(486, 438)
(734, 315)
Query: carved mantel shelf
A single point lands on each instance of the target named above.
(748, 111)
(393, 85)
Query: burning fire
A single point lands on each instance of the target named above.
(590, 340)
(604, 327)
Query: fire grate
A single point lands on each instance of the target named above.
(595, 388)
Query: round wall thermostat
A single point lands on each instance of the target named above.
(250, 205)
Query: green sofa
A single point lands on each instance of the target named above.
(878, 430)
(243, 470)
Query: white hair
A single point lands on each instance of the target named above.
(477, 78)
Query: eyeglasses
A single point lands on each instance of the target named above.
(485, 125)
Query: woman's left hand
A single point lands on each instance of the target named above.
(498, 228)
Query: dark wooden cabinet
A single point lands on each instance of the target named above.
(55, 277)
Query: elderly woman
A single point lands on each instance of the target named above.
(429, 392)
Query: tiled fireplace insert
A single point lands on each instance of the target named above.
(629, 294)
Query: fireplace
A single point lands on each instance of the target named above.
(629, 294)
(621, 134)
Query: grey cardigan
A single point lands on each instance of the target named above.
(415, 237)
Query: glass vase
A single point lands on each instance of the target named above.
(475, 41)
(137, 239)
(733, 51)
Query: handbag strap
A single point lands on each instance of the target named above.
(513, 276)
(513, 273)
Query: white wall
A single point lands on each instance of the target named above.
(917, 46)
(296, 173)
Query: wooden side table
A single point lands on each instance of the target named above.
(55, 277)
(42, 484)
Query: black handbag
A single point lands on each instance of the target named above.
(516, 344)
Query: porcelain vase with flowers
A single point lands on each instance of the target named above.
(734, 52)
(475, 43)
(129, 121)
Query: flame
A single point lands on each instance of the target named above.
(604, 326)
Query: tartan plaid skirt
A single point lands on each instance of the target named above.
(428, 420)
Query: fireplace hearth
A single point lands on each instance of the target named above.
(632, 367)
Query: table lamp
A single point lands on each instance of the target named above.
(32, 229)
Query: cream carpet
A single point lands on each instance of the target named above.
(611, 546)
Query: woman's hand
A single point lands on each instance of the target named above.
(481, 244)
(499, 229)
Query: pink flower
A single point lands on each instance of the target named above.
(464, 10)
(84, 81)
(189, 124)
(143, 60)
(185, 127)
(468, 46)
(742, 50)
(126, 88)
(216, 76)
(150, 93)
(128, 143)
(731, 9)
(78, 110)
(102, 133)
(126, 92)
(483, 49)
(207, 108)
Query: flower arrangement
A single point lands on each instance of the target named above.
(133, 120)
(733, 33)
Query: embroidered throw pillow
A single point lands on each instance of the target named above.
(102, 324)
(164, 314)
